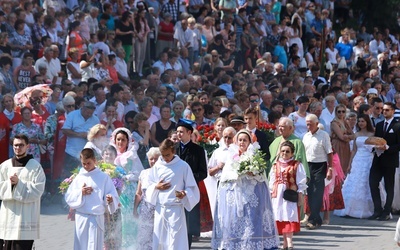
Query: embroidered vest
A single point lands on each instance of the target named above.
(287, 176)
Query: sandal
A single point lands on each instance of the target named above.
(311, 226)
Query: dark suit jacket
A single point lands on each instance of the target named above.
(390, 157)
(264, 144)
(194, 155)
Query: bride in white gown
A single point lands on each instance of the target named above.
(356, 193)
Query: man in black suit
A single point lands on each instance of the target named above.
(385, 165)
(193, 155)
(251, 116)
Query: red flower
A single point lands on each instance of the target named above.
(200, 127)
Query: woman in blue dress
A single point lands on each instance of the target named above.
(243, 217)
(128, 159)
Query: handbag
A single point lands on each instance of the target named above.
(290, 195)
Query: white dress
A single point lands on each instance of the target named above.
(396, 198)
(243, 218)
(356, 193)
(297, 40)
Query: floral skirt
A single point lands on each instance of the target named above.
(112, 232)
(251, 226)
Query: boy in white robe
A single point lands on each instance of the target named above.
(90, 193)
(172, 189)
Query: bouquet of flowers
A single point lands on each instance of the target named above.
(208, 139)
(250, 163)
(64, 185)
(268, 129)
(115, 173)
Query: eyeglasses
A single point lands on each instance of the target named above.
(254, 101)
(197, 110)
(70, 106)
(19, 145)
(341, 111)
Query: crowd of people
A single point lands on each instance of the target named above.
(146, 84)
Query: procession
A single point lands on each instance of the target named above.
(199, 124)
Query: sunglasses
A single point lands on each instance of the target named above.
(341, 111)
(254, 101)
(70, 106)
(197, 110)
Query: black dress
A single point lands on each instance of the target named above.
(162, 134)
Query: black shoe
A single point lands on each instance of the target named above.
(375, 216)
(384, 217)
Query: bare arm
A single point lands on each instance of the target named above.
(138, 199)
(153, 135)
(353, 153)
(212, 171)
(75, 73)
(339, 133)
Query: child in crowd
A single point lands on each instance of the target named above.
(172, 189)
(90, 193)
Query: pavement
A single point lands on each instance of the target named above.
(342, 233)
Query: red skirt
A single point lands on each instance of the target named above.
(287, 227)
(206, 221)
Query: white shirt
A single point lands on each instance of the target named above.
(327, 117)
(218, 156)
(300, 126)
(50, 67)
(184, 37)
(93, 24)
(317, 146)
(121, 68)
(376, 48)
